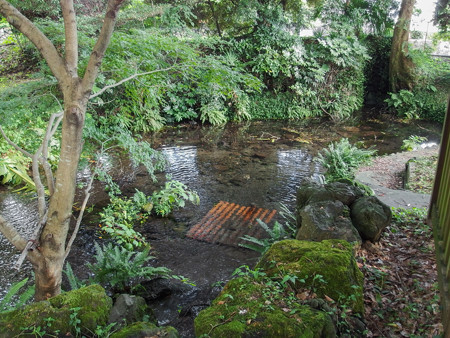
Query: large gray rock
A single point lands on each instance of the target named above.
(310, 192)
(308, 189)
(326, 220)
(345, 192)
(129, 309)
(370, 216)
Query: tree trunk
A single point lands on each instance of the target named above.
(401, 66)
(48, 258)
(54, 235)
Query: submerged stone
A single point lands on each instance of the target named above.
(56, 316)
(327, 268)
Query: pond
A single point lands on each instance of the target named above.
(257, 164)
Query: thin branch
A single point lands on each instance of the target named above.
(15, 146)
(32, 244)
(101, 91)
(71, 43)
(51, 129)
(40, 189)
(80, 216)
(42, 43)
(100, 47)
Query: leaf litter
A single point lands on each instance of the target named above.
(401, 294)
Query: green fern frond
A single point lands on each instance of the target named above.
(6, 303)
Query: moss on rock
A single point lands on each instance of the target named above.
(91, 304)
(327, 268)
(144, 329)
(249, 307)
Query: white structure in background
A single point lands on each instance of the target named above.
(424, 23)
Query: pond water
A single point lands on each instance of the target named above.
(257, 163)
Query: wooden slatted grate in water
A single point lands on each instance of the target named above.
(227, 222)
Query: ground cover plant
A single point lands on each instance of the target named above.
(422, 177)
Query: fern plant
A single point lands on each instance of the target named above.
(121, 268)
(74, 282)
(277, 233)
(342, 159)
(13, 300)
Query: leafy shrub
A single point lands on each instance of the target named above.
(14, 170)
(422, 102)
(341, 159)
(120, 216)
(428, 99)
(404, 103)
(173, 195)
(182, 83)
(24, 111)
(413, 142)
(121, 268)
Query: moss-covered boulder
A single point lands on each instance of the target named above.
(144, 329)
(256, 307)
(327, 268)
(59, 315)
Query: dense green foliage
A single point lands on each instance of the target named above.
(119, 218)
(174, 195)
(428, 99)
(212, 62)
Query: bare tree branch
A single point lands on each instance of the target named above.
(13, 236)
(51, 129)
(71, 43)
(42, 43)
(100, 47)
(40, 189)
(87, 195)
(101, 91)
(15, 146)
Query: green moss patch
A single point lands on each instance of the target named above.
(144, 329)
(257, 307)
(58, 315)
(327, 268)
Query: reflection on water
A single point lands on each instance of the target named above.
(293, 166)
(182, 163)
